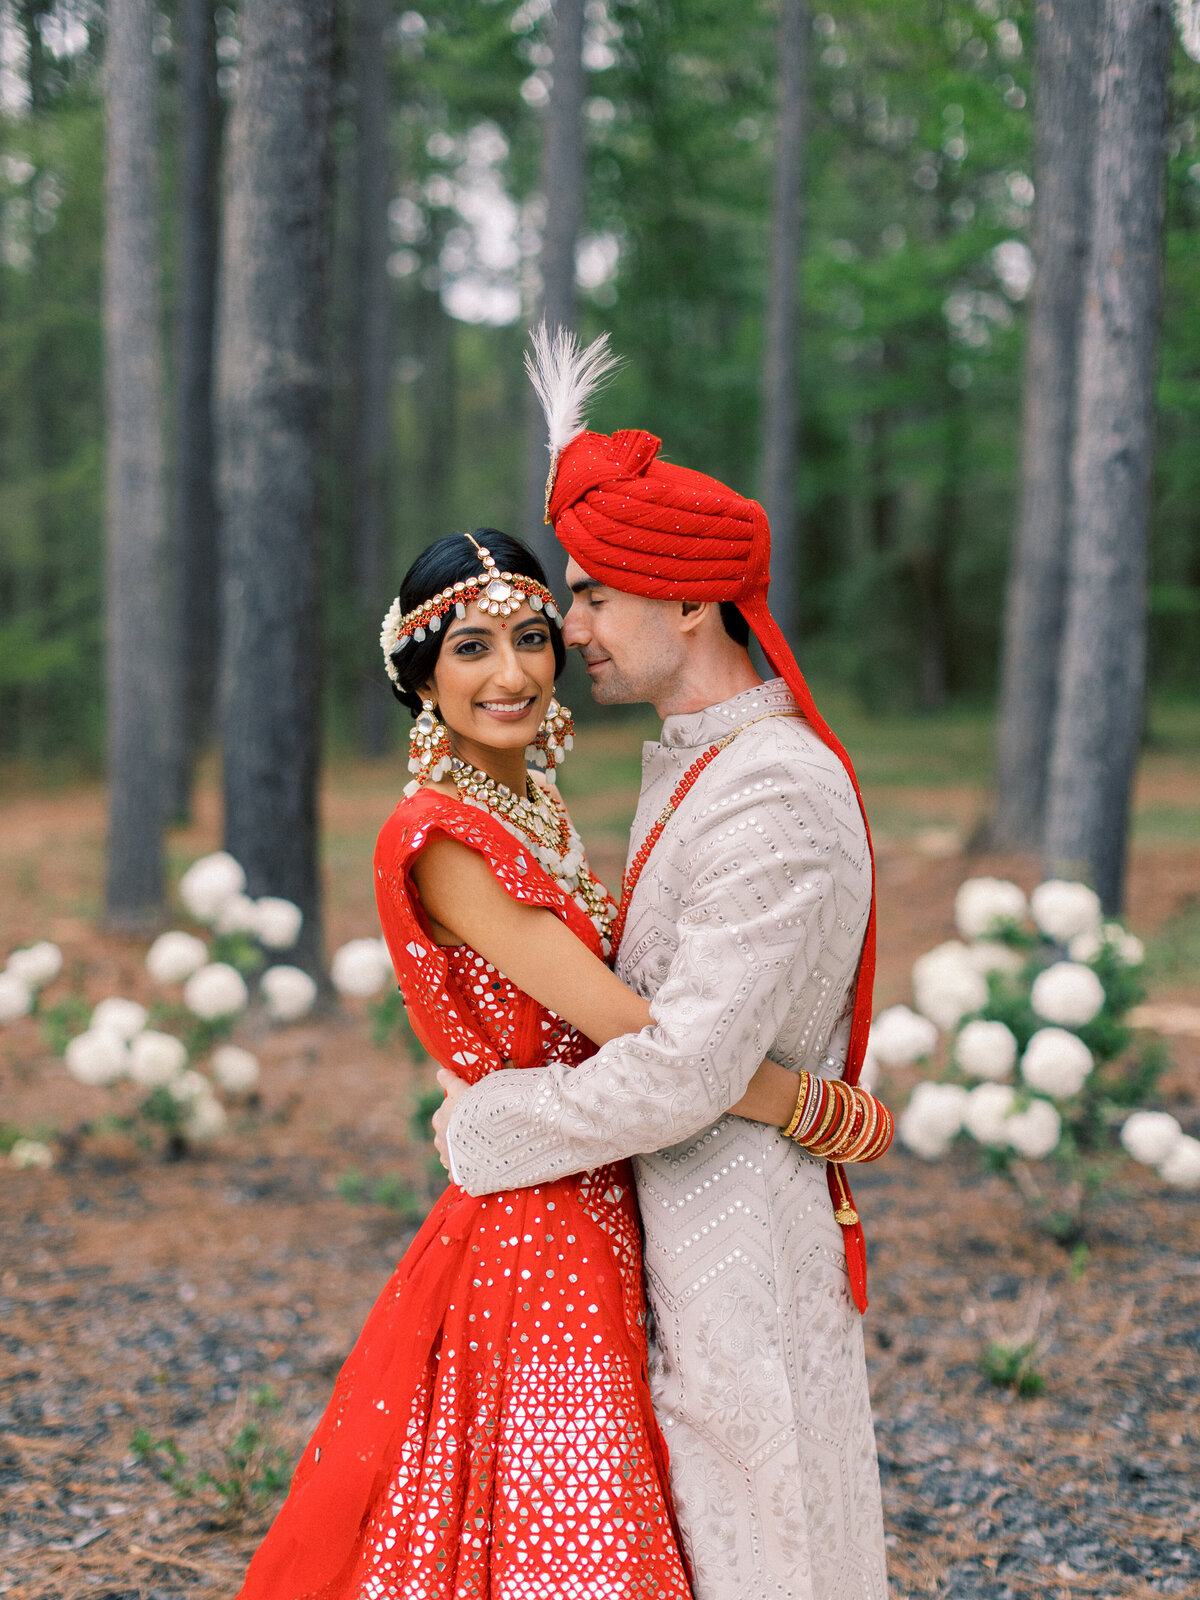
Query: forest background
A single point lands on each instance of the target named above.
(916, 266)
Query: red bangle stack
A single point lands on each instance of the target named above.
(839, 1122)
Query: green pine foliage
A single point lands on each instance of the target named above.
(918, 209)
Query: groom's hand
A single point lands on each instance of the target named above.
(451, 1087)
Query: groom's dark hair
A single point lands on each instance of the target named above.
(453, 560)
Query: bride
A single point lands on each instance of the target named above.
(491, 1433)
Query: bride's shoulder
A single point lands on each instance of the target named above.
(420, 804)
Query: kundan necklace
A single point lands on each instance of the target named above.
(544, 823)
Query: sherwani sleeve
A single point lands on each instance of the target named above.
(761, 861)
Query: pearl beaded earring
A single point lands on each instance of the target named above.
(428, 746)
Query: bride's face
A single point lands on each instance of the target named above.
(493, 680)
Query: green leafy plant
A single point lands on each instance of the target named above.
(63, 1020)
(251, 1469)
(1013, 1367)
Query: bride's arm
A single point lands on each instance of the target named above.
(538, 953)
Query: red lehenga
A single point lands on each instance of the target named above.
(490, 1436)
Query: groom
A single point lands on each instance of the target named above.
(750, 928)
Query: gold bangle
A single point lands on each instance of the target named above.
(801, 1105)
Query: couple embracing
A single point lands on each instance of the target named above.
(556, 1398)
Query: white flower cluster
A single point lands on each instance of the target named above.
(362, 967)
(988, 905)
(214, 890)
(288, 993)
(117, 1045)
(30, 1154)
(1064, 910)
(25, 972)
(1156, 1140)
(938, 1112)
(948, 985)
(1067, 993)
(1110, 936)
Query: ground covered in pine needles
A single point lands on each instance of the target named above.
(170, 1330)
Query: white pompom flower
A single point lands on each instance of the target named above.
(1127, 947)
(238, 914)
(288, 994)
(31, 1155)
(209, 883)
(1056, 1063)
(1181, 1166)
(1067, 993)
(216, 991)
(37, 965)
(121, 1017)
(277, 922)
(989, 955)
(156, 1059)
(986, 1050)
(173, 957)
(189, 1087)
(985, 905)
(932, 1118)
(97, 1058)
(361, 968)
(235, 1070)
(946, 985)
(205, 1118)
(16, 997)
(986, 1112)
(1034, 1133)
(1063, 909)
(1150, 1136)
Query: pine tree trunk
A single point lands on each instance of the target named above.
(372, 365)
(136, 579)
(272, 389)
(195, 519)
(1098, 722)
(563, 177)
(1066, 115)
(781, 418)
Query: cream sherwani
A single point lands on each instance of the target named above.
(744, 932)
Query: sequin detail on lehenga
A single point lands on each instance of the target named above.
(491, 1435)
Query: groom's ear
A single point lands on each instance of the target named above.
(695, 612)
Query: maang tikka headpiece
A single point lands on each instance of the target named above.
(495, 594)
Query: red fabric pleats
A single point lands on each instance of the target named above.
(491, 1435)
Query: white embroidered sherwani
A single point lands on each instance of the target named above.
(744, 932)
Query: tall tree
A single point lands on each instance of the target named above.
(563, 177)
(1098, 720)
(372, 356)
(272, 400)
(136, 579)
(781, 421)
(195, 513)
(1066, 115)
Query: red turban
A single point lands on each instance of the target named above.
(646, 527)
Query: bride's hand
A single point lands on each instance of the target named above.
(451, 1087)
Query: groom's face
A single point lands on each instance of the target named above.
(632, 647)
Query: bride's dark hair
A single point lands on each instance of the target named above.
(452, 560)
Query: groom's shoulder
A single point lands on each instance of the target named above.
(783, 769)
(791, 750)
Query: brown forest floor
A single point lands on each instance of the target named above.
(136, 1294)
